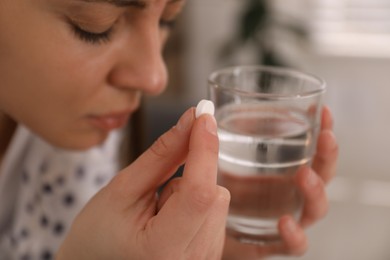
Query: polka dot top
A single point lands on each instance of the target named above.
(42, 188)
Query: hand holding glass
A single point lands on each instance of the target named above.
(268, 121)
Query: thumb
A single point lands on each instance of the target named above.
(156, 165)
(197, 193)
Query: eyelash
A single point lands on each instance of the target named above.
(90, 37)
(104, 37)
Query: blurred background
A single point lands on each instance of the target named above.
(346, 42)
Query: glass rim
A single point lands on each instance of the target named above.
(271, 69)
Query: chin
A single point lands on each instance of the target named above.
(80, 143)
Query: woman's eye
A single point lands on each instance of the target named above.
(92, 37)
(104, 37)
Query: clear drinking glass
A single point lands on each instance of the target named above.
(268, 121)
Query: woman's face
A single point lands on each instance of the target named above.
(73, 70)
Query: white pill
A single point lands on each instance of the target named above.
(204, 107)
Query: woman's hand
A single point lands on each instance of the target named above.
(126, 219)
(312, 184)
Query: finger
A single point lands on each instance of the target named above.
(315, 200)
(325, 159)
(171, 187)
(293, 236)
(210, 239)
(293, 242)
(201, 167)
(326, 119)
(183, 214)
(202, 160)
(159, 162)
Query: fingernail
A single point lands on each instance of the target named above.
(210, 124)
(185, 121)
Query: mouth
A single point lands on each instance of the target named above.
(110, 121)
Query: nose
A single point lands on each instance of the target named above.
(139, 64)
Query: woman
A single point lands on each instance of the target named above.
(72, 74)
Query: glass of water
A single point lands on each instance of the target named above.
(268, 121)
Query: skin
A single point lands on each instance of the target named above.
(72, 88)
(190, 224)
(81, 79)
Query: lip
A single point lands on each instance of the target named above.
(110, 121)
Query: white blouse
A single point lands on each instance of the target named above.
(42, 188)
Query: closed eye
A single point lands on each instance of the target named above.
(92, 37)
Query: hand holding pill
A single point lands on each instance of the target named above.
(189, 210)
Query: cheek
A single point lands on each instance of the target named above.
(71, 78)
(37, 70)
(47, 81)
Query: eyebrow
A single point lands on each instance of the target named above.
(122, 3)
